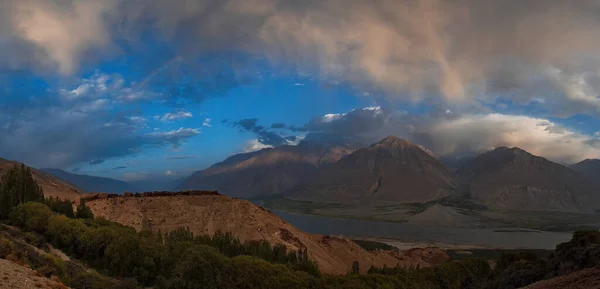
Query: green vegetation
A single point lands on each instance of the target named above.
(18, 187)
(83, 211)
(64, 207)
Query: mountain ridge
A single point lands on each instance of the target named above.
(51, 186)
(92, 183)
(513, 178)
(391, 170)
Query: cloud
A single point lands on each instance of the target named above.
(179, 157)
(264, 136)
(173, 137)
(169, 116)
(169, 173)
(206, 122)
(278, 125)
(449, 133)
(95, 162)
(255, 145)
(445, 51)
(119, 168)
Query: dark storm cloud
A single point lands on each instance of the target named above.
(454, 51)
(278, 125)
(263, 135)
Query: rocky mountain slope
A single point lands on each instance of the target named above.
(92, 183)
(511, 178)
(207, 214)
(15, 276)
(589, 167)
(266, 172)
(390, 171)
(52, 186)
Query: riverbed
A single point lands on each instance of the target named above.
(402, 233)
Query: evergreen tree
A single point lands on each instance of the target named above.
(355, 268)
(83, 211)
(18, 187)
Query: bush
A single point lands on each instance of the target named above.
(59, 206)
(5, 247)
(32, 216)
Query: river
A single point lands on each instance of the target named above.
(409, 233)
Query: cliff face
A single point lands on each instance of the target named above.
(208, 214)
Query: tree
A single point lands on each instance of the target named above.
(61, 206)
(18, 187)
(355, 268)
(83, 211)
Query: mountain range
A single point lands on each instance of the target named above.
(396, 171)
(92, 183)
(391, 171)
(267, 172)
(511, 178)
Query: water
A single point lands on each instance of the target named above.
(521, 239)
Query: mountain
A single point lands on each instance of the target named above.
(92, 183)
(589, 167)
(52, 186)
(209, 213)
(511, 178)
(391, 171)
(267, 172)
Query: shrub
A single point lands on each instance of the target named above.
(32, 216)
(5, 247)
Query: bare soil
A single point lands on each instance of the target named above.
(15, 276)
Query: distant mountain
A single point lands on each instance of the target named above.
(511, 178)
(52, 186)
(267, 172)
(92, 183)
(390, 171)
(590, 167)
(454, 163)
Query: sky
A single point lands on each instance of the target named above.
(156, 89)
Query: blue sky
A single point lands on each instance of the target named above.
(157, 91)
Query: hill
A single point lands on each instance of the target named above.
(265, 173)
(511, 178)
(52, 186)
(92, 183)
(390, 171)
(589, 167)
(208, 214)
